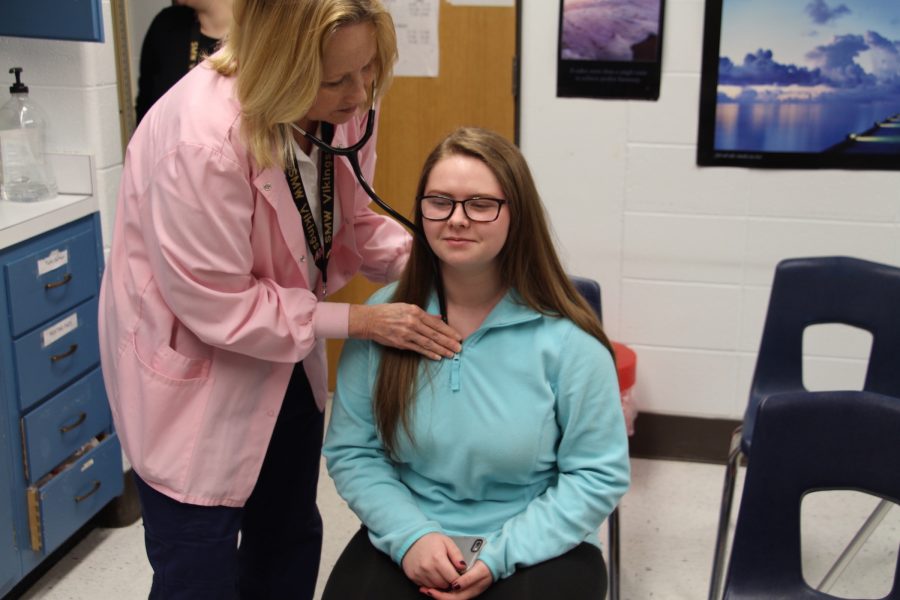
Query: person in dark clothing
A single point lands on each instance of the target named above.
(179, 37)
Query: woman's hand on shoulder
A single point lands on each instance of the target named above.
(433, 561)
(404, 326)
(472, 583)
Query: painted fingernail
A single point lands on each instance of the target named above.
(455, 587)
(462, 564)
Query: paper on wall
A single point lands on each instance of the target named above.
(482, 2)
(416, 22)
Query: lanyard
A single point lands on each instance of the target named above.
(320, 247)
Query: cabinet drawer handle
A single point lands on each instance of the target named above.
(61, 282)
(79, 421)
(69, 352)
(90, 493)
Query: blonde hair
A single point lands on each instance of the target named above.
(528, 264)
(274, 49)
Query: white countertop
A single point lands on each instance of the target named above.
(20, 221)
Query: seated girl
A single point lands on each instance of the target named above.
(518, 439)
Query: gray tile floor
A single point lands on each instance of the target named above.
(667, 521)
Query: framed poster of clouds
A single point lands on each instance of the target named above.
(609, 49)
(801, 84)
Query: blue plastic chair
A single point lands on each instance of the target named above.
(590, 291)
(804, 442)
(810, 291)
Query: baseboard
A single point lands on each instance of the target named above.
(676, 437)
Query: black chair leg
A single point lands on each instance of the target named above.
(719, 559)
(613, 524)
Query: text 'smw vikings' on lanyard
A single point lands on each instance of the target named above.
(194, 48)
(320, 247)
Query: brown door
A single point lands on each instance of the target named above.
(474, 87)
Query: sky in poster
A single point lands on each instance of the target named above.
(828, 66)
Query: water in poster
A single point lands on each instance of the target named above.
(801, 76)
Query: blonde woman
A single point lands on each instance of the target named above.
(231, 229)
(519, 439)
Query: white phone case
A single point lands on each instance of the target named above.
(470, 546)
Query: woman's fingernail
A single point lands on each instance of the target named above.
(462, 564)
(455, 587)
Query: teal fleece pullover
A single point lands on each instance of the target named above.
(519, 438)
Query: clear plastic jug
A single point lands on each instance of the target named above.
(25, 175)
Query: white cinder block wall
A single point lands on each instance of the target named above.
(685, 256)
(75, 84)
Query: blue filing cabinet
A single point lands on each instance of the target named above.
(62, 461)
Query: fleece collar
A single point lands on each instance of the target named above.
(511, 310)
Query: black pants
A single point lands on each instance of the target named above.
(365, 573)
(194, 549)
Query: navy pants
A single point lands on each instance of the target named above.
(194, 549)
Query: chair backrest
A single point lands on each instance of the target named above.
(807, 441)
(590, 290)
(831, 289)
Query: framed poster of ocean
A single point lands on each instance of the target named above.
(801, 84)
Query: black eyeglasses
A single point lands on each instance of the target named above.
(481, 209)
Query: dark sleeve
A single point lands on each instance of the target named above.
(164, 55)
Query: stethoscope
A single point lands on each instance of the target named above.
(351, 153)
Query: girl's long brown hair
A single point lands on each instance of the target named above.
(528, 264)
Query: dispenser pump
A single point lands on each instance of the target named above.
(25, 174)
(18, 87)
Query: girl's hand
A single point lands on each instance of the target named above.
(433, 561)
(469, 585)
(404, 326)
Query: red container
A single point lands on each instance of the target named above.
(626, 367)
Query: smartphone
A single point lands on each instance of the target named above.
(470, 546)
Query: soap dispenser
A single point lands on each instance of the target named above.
(25, 175)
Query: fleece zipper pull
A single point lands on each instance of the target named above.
(454, 373)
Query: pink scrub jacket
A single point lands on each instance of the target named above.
(205, 303)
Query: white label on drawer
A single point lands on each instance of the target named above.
(54, 260)
(87, 465)
(58, 330)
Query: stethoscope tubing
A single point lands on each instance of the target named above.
(351, 153)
